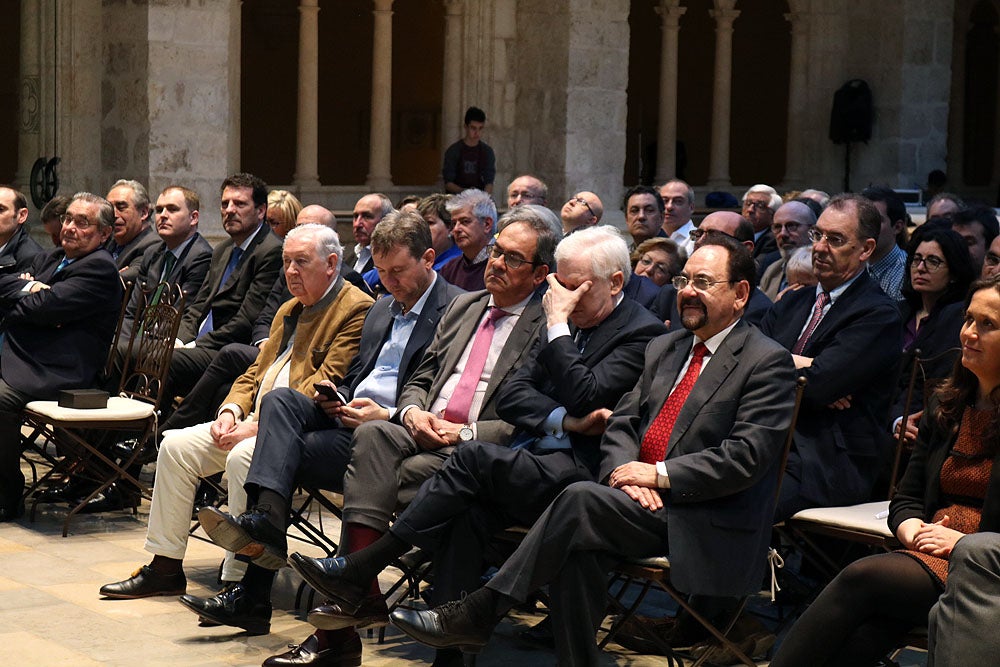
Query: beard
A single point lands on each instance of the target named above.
(693, 320)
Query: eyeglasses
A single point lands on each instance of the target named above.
(582, 202)
(513, 262)
(991, 259)
(79, 221)
(789, 227)
(833, 240)
(756, 205)
(931, 263)
(652, 265)
(696, 234)
(699, 283)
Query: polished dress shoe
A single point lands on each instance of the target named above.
(233, 606)
(347, 654)
(372, 613)
(61, 492)
(326, 576)
(250, 534)
(446, 626)
(111, 499)
(146, 582)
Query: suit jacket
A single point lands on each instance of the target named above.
(856, 350)
(59, 338)
(665, 307)
(457, 327)
(189, 272)
(326, 338)
(770, 282)
(19, 253)
(559, 375)
(919, 493)
(236, 304)
(130, 258)
(935, 338)
(378, 326)
(722, 457)
(642, 290)
(278, 295)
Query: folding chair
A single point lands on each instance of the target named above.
(134, 410)
(655, 571)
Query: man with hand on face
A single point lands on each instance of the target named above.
(57, 324)
(133, 233)
(688, 469)
(17, 249)
(314, 337)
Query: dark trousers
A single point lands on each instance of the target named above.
(12, 402)
(297, 443)
(571, 547)
(481, 489)
(211, 383)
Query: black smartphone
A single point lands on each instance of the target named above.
(330, 393)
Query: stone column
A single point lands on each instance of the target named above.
(307, 126)
(718, 166)
(796, 98)
(379, 157)
(451, 93)
(670, 12)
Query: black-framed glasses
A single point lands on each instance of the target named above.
(790, 227)
(582, 202)
(833, 240)
(699, 283)
(696, 234)
(930, 262)
(756, 205)
(512, 261)
(80, 221)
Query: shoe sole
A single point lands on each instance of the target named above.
(252, 627)
(122, 596)
(349, 606)
(336, 622)
(227, 534)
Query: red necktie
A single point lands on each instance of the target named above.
(460, 403)
(654, 443)
(821, 300)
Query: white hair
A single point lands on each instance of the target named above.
(605, 247)
(800, 260)
(478, 200)
(326, 239)
(762, 188)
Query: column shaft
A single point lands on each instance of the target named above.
(796, 100)
(718, 168)
(307, 119)
(666, 135)
(380, 156)
(451, 93)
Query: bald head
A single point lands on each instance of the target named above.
(316, 214)
(728, 223)
(526, 189)
(791, 226)
(584, 209)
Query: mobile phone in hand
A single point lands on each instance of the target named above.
(330, 393)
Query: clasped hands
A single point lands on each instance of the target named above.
(638, 481)
(935, 539)
(227, 431)
(430, 431)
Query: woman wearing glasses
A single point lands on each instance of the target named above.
(939, 271)
(951, 488)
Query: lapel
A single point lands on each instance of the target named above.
(518, 343)
(424, 329)
(843, 306)
(47, 275)
(605, 333)
(234, 277)
(468, 322)
(666, 372)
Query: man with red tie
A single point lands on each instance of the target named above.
(689, 467)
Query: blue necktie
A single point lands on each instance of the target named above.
(62, 265)
(234, 259)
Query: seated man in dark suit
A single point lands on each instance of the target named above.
(720, 223)
(240, 277)
(133, 234)
(589, 356)
(846, 337)
(689, 465)
(307, 441)
(17, 248)
(181, 258)
(56, 328)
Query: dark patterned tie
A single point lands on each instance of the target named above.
(821, 300)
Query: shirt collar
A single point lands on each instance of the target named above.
(517, 308)
(396, 309)
(715, 341)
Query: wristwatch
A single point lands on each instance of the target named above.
(465, 433)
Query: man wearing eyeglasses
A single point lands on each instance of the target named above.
(759, 204)
(58, 320)
(791, 225)
(991, 264)
(846, 337)
(526, 189)
(888, 261)
(584, 209)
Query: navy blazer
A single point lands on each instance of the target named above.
(19, 253)
(856, 351)
(722, 457)
(59, 338)
(378, 326)
(558, 374)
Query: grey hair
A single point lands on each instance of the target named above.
(387, 206)
(800, 260)
(479, 201)
(105, 211)
(605, 247)
(326, 239)
(140, 198)
(690, 190)
(761, 188)
(533, 212)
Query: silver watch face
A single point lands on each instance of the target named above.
(465, 434)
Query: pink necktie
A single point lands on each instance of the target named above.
(821, 300)
(458, 408)
(654, 443)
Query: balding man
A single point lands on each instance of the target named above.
(17, 248)
(584, 209)
(715, 225)
(678, 205)
(792, 222)
(369, 210)
(527, 189)
(314, 214)
(133, 233)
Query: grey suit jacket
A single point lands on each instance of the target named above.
(458, 326)
(722, 456)
(130, 258)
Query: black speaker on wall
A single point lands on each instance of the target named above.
(851, 116)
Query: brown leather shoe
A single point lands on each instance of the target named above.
(146, 582)
(373, 612)
(347, 654)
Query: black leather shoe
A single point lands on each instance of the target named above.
(233, 606)
(112, 499)
(250, 534)
(146, 582)
(443, 627)
(62, 492)
(347, 654)
(326, 576)
(372, 613)
(539, 635)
